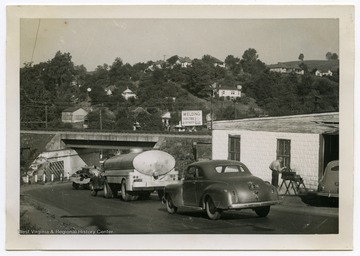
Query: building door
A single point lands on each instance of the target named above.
(234, 147)
(331, 149)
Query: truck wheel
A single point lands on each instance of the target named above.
(107, 191)
(124, 194)
(170, 207)
(262, 211)
(211, 210)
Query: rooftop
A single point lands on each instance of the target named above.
(325, 123)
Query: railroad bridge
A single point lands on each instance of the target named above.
(90, 144)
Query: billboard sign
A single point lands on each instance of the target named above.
(191, 118)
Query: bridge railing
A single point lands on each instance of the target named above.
(199, 132)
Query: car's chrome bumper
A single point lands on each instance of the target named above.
(254, 204)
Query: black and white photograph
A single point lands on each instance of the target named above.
(180, 128)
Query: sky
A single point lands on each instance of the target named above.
(93, 42)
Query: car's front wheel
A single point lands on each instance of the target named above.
(262, 211)
(170, 207)
(211, 210)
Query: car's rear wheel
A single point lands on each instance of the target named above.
(124, 194)
(211, 210)
(262, 211)
(170, 207)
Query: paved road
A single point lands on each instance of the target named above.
(150, 216)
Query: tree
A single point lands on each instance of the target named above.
(61, 70)
(250, 62)
(250, 55)
(199, 78)
(301, 57)
(328, 55)
(334, 56)
(233, 64)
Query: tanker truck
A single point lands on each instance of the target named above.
(135, 175)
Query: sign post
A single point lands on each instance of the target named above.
(191, 118)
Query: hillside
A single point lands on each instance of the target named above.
(323, 65)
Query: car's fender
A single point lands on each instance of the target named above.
(175, 191)
(219, 193)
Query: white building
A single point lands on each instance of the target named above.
(323, 73)
(73, 115)
(285, 69)
(230, 92)
(307, 143)
(127, 94)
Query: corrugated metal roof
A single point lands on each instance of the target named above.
(325, 123)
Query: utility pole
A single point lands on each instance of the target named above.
(46, 117)
(101, 117)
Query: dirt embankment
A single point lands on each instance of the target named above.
(37, 218)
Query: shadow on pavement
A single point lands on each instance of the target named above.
(320, 201)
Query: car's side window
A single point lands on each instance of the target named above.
(219, 169)
(242, 169)
(190, 173)
(200, 173)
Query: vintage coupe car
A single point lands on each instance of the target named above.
(218, 185)
(329, 183)
(327, 192)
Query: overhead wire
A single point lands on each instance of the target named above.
(35, 43)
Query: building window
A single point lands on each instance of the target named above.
(234, 147)
(283, 150)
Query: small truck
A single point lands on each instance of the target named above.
(135, 175)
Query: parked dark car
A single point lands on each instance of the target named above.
(218, 185)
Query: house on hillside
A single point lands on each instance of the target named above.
(165, 118)
(110, 89)
(157, 65)
(218, 63)
(73, 115)
(231, 92)
(323, 73)
(184, 62)
(306, 142)
(285, 69)
(127, 94)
